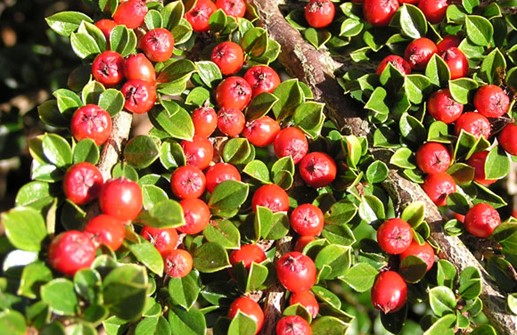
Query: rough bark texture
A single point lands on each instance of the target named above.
(316, 68)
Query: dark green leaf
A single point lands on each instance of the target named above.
(337, 257)
(338, 234)
(57, 150)
(227, 197)
(210, 257)
(35, 194)
(33, 276)
(49, 113)
(497, 164)
(360, 277)
(317, 37)
(209, 73)
(485, 329)
(60, 296)
(86, 151)
(290, 95)
(25, 228)
(238, 151)
(371, 209)
(146, 253)
(223, 232)
(309, 117)
(163, 214)
(184, 322)
(153, 19)
(91, 92)
(438, 71)
(417, 87)
(185, 291)
(141, 151)
(258, 274)
(112, 101)
(377, 172)
(123, 40)
(444, 326)
(403, 158)
(260, 105)
(412, 129)
(269, 225)
(173, 119)
(351, 27)
(442, 300)
(152, 195)
(254, 41)
(446, 273)
(87, 283)
(172, 14)
(328, 325)
(171, 154)
(414, 213)
(340, 213)
(412, 21)
(412, 269)
(470, 283)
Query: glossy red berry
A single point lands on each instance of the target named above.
(433, 157)
(220, 172)
(508, 139)
(130, 13)
(293, 325)
(419, 52)
(473, 123)
(434, 10)
(394, 236)
(228, 56)
(196, 214)
(412, 2)
(108, 68)
(271, 196)
(319, 13)
(178, 263)
(139, 67)
(307, 219)
(233, 92)
(230, 121)
(235, 8)
(379, 12)
(443, 107)
(70, 252)
(262, 78)
(389, 292)
(198, 152)
(481, 220)
(478, 162)
(250, 308)
(456, 61)
(261, 132)
(121, 198)
(318, 169)
(447, 42)
(199, 15)
(247, 254)
(92, 122)
(296, 271)
(491, 101)
(107, 230)
(438, 186)
(398, 62)
(302, 242)
(188, 181)
(307, 300)
(163, 239)
(291, 141)
(423, 251)
(140, 96)
(106, 26)
(157, 44)
(205, 121)
(82, 183)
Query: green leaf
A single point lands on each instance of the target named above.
(209, 73)
(57, 150)
(223, 232)
(511, 300)
(238, 151)
(412, 21)
(326, 296)
(152, 195)
(141, 151)
(153, 326)
(183, 322)
(164, 214)
(258, 274)
(50, 114)
(125, 290)
(173, 119)
(115, 326)
(35, 194)
(91, 92)
(438, 71)
(67, 101)
(442, 300)
(493, 67)
(371, 209)
(123, 40)
(337, 257)
(112, 101)
(12, 323)
(33, 276)
(86, 151)
(463, 89)
(317, 37)
(377, 103)
(153, 19)
(439, 132)
(414, 213)
(479, 30)
(94, 32)
(309, 117)
(290, 95)
(338, 234)
(171, 154)
(497, 164)
(340, 213)
(87, 283)
(412, 129)
(242, 324)
(328, 325)
(258, 170)
(210, 257)
(360, 277)
(444, 326)
(66, 22)
(417, 87)
(269, 225)
(446, 273)
(185, 291)
(146, 253)
(353, 148)
(84, 46)
(60, 296)
(254, 41)
(172, 14)
(412, 269)
(470, 283)
(377, 172)
(351, 27)
(485, 329)
(25, 228)
(403, 158)
(260, 105)
(179, 70)
(227, 197)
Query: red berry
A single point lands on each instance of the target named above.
(478, 161)
(196, 214)
(419, 52)
(199, 15)
(233, 92)
(139, 67)
(433, 157)
(296, 271)
(157, 44)
(456, 61)
(423, 251)
(491, 101)
(318, 169)
(412, 2)
(319, 13)
(93, 122)
(108, 68)
(106, 26)
(250, 308)
(205, 121)
(447, 42)
(389, 292)
(379, 12)
(198, 152)
(473, 123)
(235, 8)
(443, 107)
(434, 10)
(394, 236)
(292, 142)
(398, 62)
(248, 253)
(121, 198)
(302, 241)
(438, 186)
(228, 56)
(106, 230)
(262, 78)
(307, 300)
(293, 325)
(220, 172)
(140, 96)
(82, 183)
(70, 252)
(481, 220)
(130, 13)
(230, 121)
(163, 239)
(508, 139)
(261, 132)
(178, 263)
(188, 181)
(307, 219)
(271, 196)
